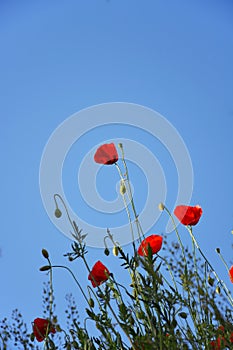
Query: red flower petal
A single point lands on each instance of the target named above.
(40, 328)
(98, 274)
(106, 154)
(154, 241)
(231, 274)
(188, 215)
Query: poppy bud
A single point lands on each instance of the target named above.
(58, 213)
(217, 250)
(106, 251)
(218, 290)
(183, 315)
(120, 145)
(115, 250)
(210, 281)
(45, 268)
(161, 206)
(122, 188)
(45, 253)
(91, 302)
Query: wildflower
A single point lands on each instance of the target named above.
(106, 154)
(231, 274)
(41, 328)
(155, 243)
(98, 274)
(220, 342)
(188, 215)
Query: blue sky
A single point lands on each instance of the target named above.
(57, 58)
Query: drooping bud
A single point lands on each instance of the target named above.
(218, 290)
(120, 145)
(58, 213)
(217, 250)
(161, 206)
(106, 251)
(45, 253)
(45, 268)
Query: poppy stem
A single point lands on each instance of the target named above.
(178, 236)
(72, 274)
(227, 292)
(64, 205)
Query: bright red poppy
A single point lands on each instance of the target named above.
(188, 215)
(41, 328)
(154, 241)
(106, 154)
(98, 274)
(220, 342)
(231, 274)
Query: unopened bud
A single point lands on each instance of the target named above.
(218, 290)
(120, 145)
(58, 213)
(91, 302)
(45, 268)
(106, 251)
(218, 250)
(210, 281)
(122, 188)
(45, 253)
(161, 206)
(115, 250)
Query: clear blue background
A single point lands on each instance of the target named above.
(58, 57)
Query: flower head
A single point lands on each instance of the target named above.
(106, 154)
(155, 243)
(231, 274)
(188, 215)
(41, 328)
(98, 274)
(220, 342)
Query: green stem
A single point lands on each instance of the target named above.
(212, 269)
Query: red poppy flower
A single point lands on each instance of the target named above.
(99, 274)
(231, 274)
(41, 328)
(106, 154)
(188, 215)
(220, 341)
(154, 241)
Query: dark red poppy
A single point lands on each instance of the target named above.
(41, 328)
(106, 154)
(98, 274)
(231, 274)
(188, 215)
(154, 241)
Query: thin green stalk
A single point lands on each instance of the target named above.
(212, 269)
(75, 279)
